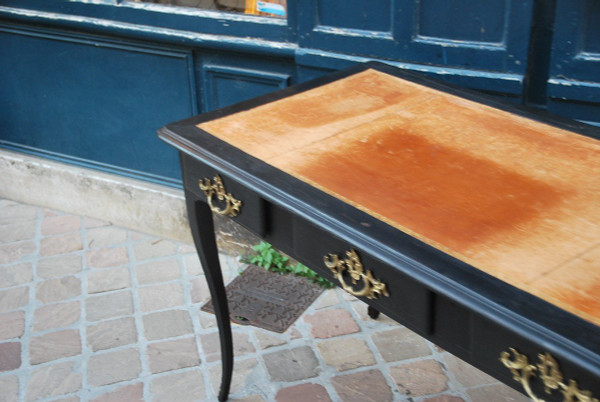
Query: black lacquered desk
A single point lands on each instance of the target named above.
(472, 222)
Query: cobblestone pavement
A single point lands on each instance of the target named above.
(94, 312)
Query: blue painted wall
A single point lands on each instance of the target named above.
(90, 82)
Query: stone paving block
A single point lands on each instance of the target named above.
(192, 265)
(182, 387)
(54, 345)
(107, 280)
(200, 292)
(54, 380)
(53, 290)
(420, 378)
(294, 333)
(466, 374)
(61, 244)
(364, 386)
(400, 344)
(206, 320)
(242, 375)
(105, 236)
(346, 353)
(167, 324)
(137, 236)
(496, 393)
(445, 398)
(292, 364)
(14, 275)
(158, 297)
(153, 248)
(249, 398)
(56, 315)
(73, 398)
(107, 257)
(327, 299)
(60, 224)
(111, 334)
(266, 340)
(66, 264)
(12, 325)
(114, 366)
(12, 299)
(90, 223)
(331, 322)
(47, 212)
(212, 350)
(172, 355)
(17, 213)
(183, 248)
(10, 388)
(158, 271)
(17, 232)
(109, 305)
(303, 393)
(126, 393)
(345, 295)
(14, 252)
(10, 356)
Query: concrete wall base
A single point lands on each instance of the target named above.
(133, 204)
(129, 203)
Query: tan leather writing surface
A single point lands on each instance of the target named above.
(513, 197)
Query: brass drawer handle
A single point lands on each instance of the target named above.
(548, 371)
(216, 187)
(371, 288)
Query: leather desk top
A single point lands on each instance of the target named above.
(511, 196)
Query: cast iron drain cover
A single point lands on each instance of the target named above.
(267, 299)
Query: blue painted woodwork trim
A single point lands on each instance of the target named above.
(122, 44)
(103, 167)
(186, 55)
(150, 33)
(510, 84)
(210, 72)
(568, 58)
(540, 50)
(574, 90)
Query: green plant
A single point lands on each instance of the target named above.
(266, 256)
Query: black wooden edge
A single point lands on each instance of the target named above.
(531, 317)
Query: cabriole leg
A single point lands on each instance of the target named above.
(202, 226)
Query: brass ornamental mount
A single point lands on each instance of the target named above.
(371, 288)
(216, 187)
(548, 372)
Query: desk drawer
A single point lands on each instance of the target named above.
(239, 203)
(408, 302)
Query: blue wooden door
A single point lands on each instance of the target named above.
(89, 82)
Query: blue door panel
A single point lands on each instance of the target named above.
(225, 78)
(489, 36)
(481, 21)
(574, 82)
(91, 99)
(362, 15)
(225, 85)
